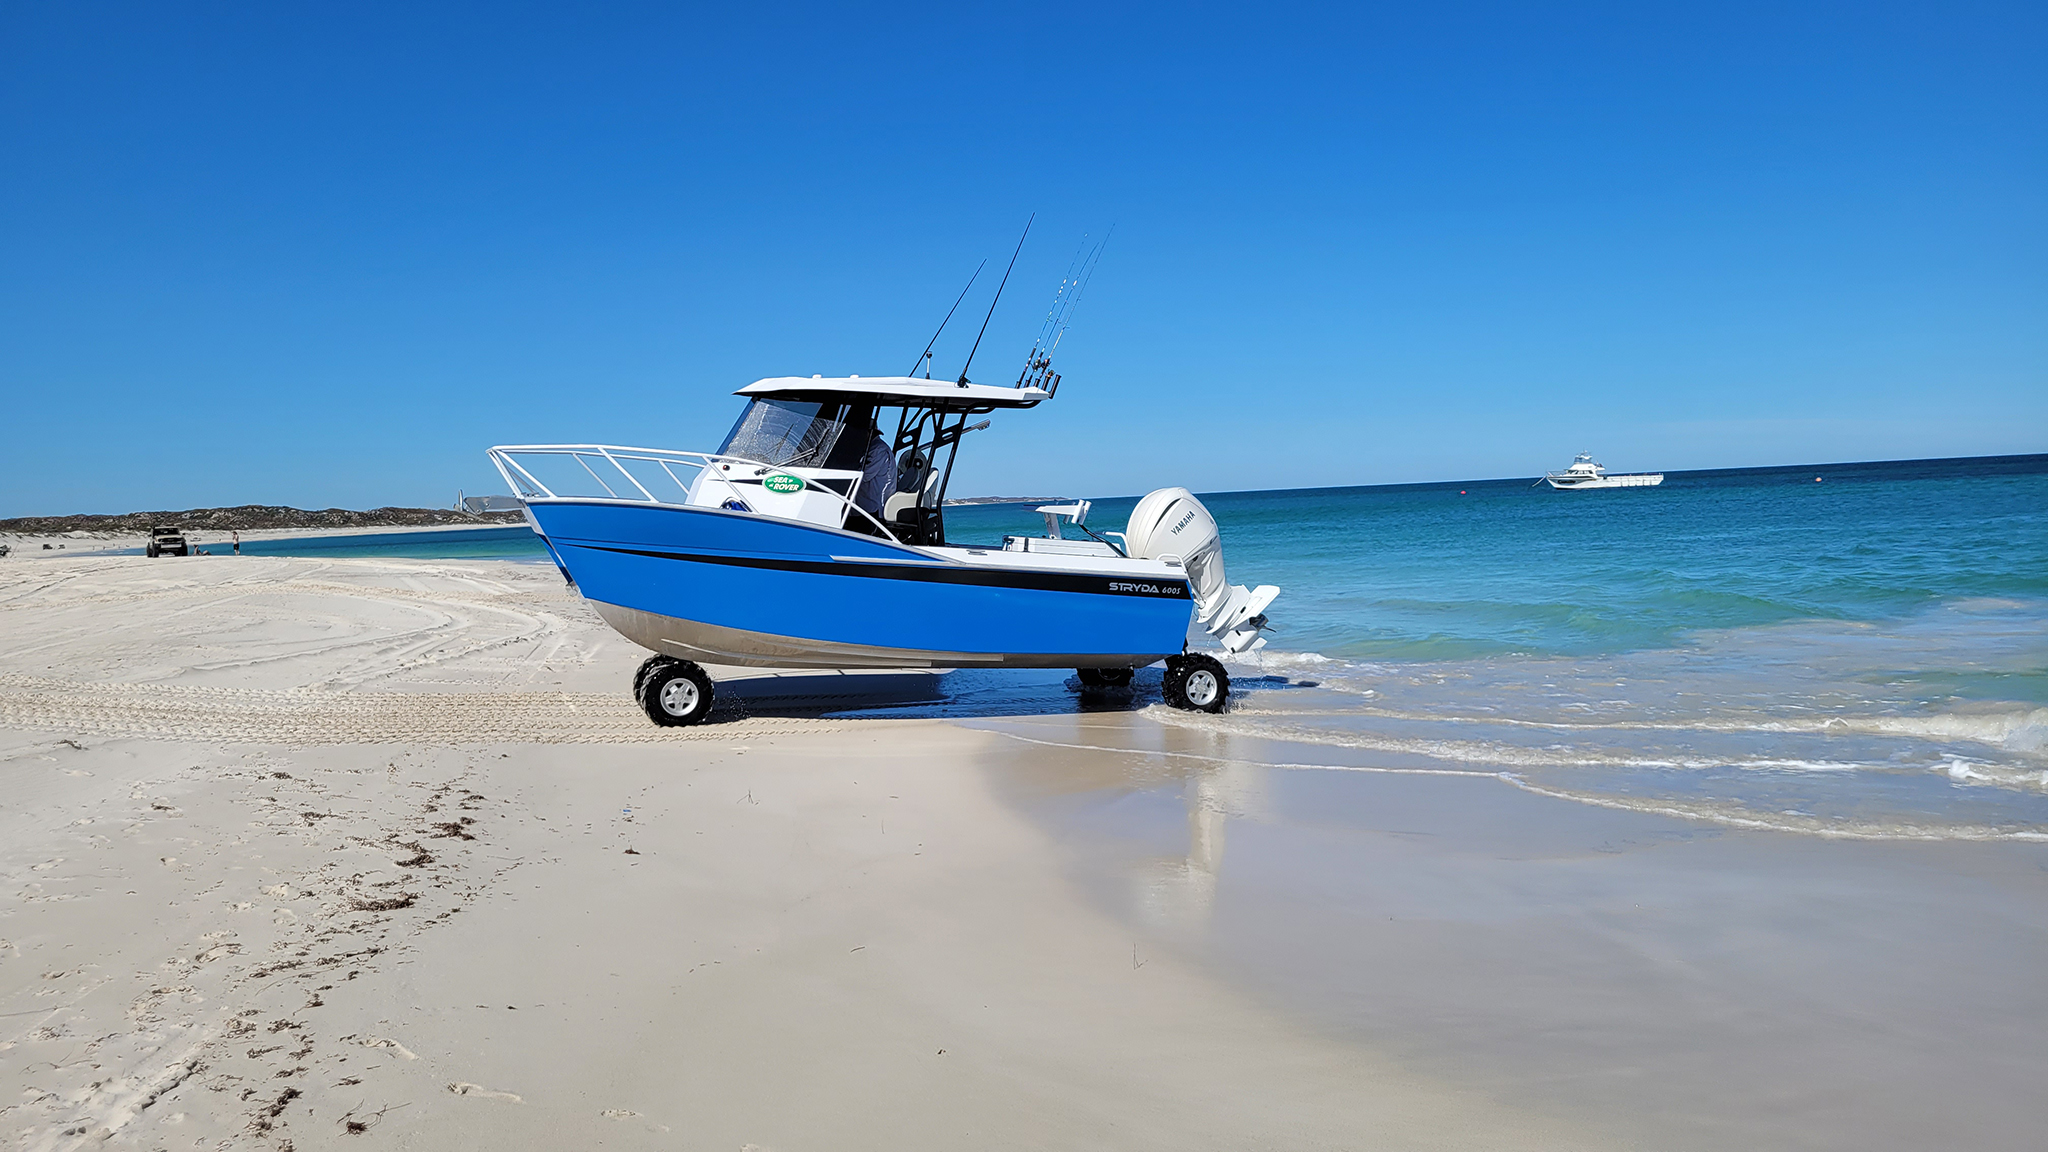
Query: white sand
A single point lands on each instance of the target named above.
(294, 845)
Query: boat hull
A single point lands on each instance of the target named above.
(734, 588)
(1639, 480)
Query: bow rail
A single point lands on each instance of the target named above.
(708, 482)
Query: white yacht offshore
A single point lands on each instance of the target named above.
(1585, 472)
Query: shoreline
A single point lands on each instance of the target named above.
(111, 543)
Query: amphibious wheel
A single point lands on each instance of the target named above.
(1196, 683)
(677, 692)
(1104, 677)
(646, 669)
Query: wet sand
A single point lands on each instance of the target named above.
(1674, 982)
(299, 853)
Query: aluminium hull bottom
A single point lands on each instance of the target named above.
(717, 644)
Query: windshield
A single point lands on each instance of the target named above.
(784, 433)
(802, 434)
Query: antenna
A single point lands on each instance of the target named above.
(992, 304)
(1038, 364)
(948, 320)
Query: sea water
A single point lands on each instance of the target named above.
(1848, 650)
(511, 542)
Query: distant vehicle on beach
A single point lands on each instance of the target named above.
(1586, 473)
(167, 541)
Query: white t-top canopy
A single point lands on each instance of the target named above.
(895, 391)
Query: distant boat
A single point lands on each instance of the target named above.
(1587, 473)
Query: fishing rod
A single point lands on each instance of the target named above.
(1038, 363)
(992, 304)
(948, 320)
(1068, 296)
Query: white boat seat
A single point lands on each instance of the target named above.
(894, 506)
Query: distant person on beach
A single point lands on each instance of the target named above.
(238, 543)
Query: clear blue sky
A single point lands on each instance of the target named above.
(325, 255)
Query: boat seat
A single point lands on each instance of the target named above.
(893, 507)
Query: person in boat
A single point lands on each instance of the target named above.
(878, 479)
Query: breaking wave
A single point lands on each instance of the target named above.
(1823, 727)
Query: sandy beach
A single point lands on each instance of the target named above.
(308, 853)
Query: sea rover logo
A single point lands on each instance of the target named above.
(1145, 589)
(782, 482)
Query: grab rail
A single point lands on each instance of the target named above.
(527, 485)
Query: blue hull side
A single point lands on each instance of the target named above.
(799, 594)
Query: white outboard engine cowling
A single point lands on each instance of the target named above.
(1172, 525)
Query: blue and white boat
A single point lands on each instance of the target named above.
(815, 537)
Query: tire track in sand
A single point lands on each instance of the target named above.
(309, 716)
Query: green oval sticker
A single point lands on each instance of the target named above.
(782, 482)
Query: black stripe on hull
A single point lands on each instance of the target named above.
(935, 574)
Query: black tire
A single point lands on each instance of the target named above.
(646, 669)
(1196, 683)
(676, 693)
(150, 551)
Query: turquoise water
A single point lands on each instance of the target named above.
(1866, 655)
(512, 543)
(1497, 567)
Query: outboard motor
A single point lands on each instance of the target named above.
(1173, 526)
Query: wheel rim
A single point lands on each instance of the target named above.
(679, 696)
(1202, 688)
